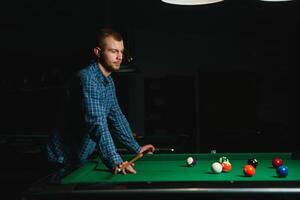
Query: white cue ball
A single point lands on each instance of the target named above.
(216, 167)
(190, 161)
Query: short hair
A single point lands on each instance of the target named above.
(107, 32)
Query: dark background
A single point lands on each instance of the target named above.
(210, 77)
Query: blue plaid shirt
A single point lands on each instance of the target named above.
(99, 109)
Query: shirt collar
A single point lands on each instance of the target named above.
(100, 76)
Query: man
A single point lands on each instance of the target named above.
(92, 111)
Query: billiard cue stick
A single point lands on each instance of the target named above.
(164, 149)
(138, 156)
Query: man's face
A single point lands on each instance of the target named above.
(112, 54)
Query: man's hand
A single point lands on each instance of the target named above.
(149, 148)
(124, 168)
(127, 167)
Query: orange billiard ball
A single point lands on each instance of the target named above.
(226, 166)
(249, 170)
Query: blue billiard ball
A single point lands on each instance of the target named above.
(282, 171)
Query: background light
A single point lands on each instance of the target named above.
(276, 0)
(191, 2)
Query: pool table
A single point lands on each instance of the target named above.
(167, 176)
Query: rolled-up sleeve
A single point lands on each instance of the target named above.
(121, 126)
(96, 120)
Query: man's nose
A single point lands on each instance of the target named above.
(120, 56)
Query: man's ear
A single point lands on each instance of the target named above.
(97, 52)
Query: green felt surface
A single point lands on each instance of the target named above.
(172, 167)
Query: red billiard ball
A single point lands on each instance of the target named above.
(249, 170)
(276, 162)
